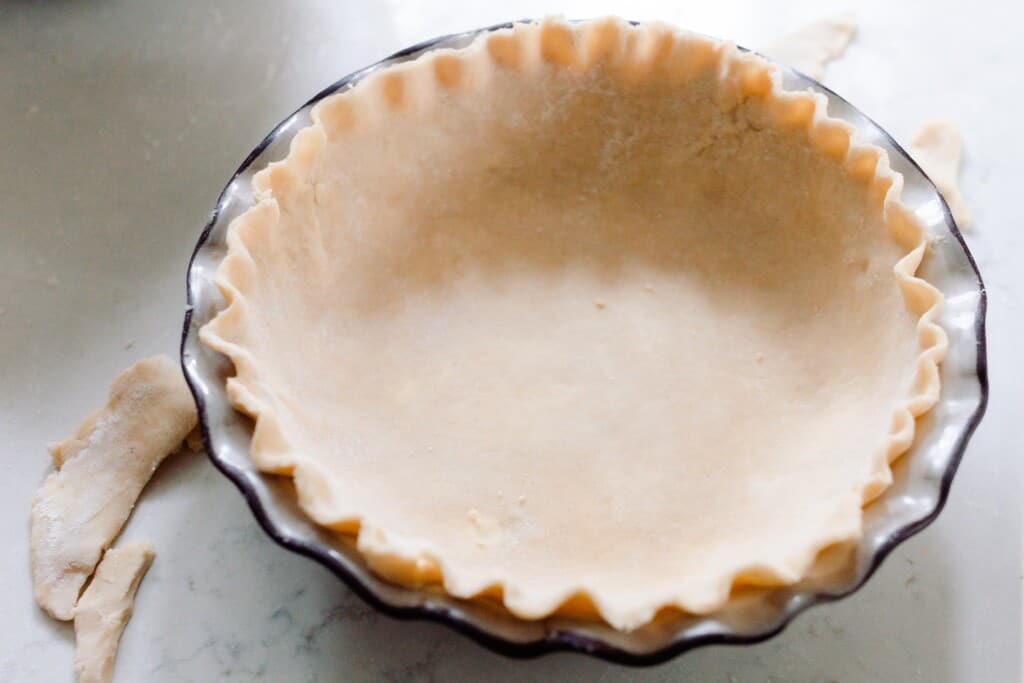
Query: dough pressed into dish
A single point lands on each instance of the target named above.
(589, 317)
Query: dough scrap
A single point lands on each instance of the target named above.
(105, 608)
(103, 467)
(811, 47)
(938, 147)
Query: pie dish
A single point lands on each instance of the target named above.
(602, 280)
(590, 317)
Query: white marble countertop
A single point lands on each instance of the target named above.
(119, 123)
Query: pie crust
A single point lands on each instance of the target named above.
(590, 318)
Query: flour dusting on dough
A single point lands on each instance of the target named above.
(103, 467)
(811, 47)
(938, 147)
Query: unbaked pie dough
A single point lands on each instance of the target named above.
(587, 317)
(102, 468)
(105, 608)
(810, 48)
(938, 147)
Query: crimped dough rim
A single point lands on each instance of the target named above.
(576, 46)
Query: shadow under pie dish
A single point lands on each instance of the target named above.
(588, 321)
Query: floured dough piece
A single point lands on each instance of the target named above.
(103, 467)
(810, 48)
(105, 608)
(938, 147)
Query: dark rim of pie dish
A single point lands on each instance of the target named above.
(567, 640)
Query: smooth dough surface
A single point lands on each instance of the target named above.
(810, 48)
(105, 608)
(938, 147)
(103, 467)
(593, 311)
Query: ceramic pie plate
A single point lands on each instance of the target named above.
(921, 477)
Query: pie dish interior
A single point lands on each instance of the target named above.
(591, 318)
